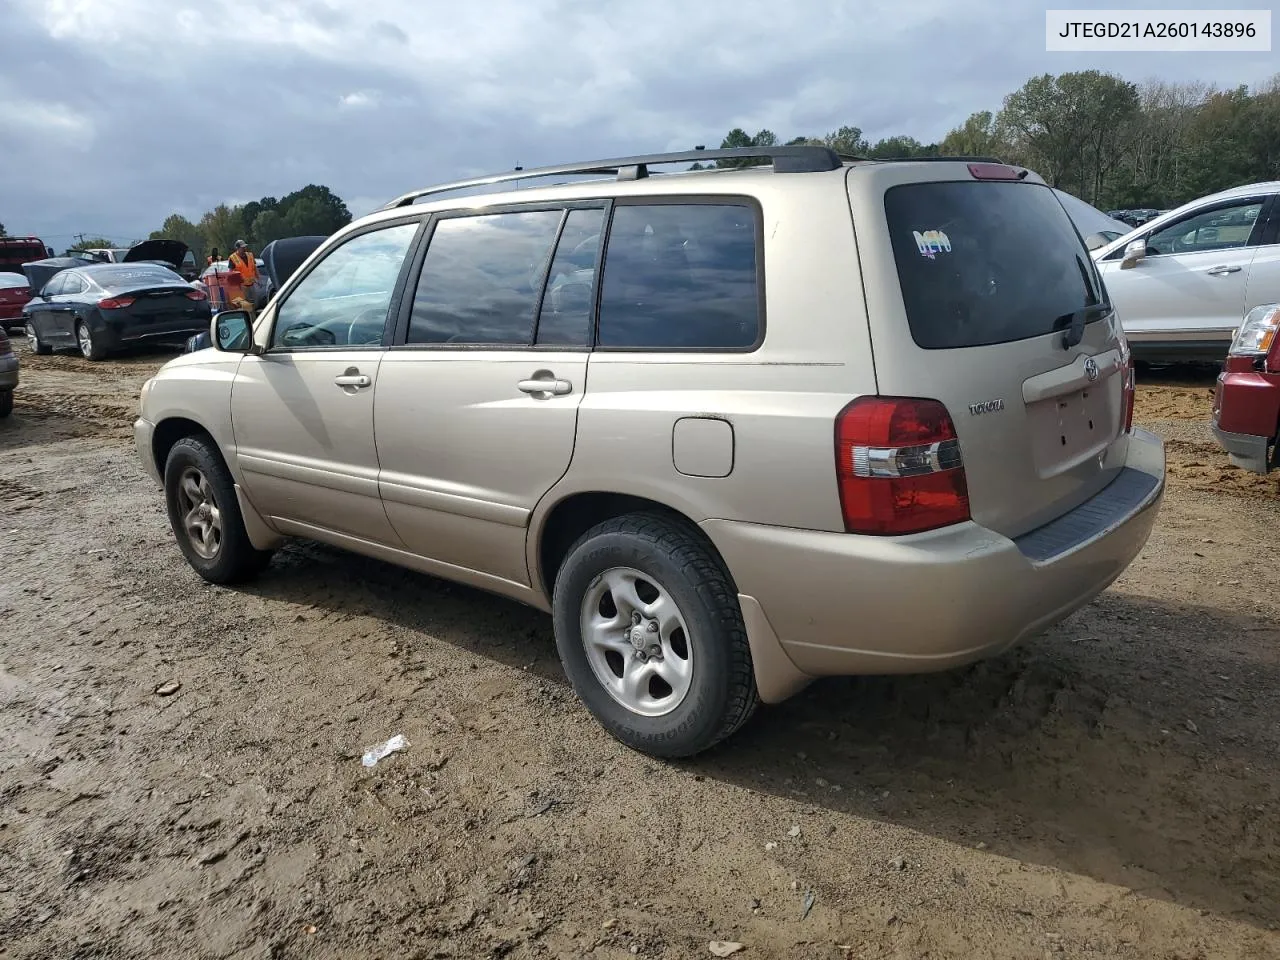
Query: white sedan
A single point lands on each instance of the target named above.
(1182, 282)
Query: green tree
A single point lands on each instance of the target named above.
(847, 141)
(222, 227)
(268, 226)
(978, 136)
(1069, 127)
(893, 148)
(252, 210)
(178, 227)
(307, 217)
(2, 231)
(332, 213)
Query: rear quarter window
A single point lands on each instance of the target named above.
(987, 262)
(681, 276)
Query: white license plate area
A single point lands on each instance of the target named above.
(1071, 428)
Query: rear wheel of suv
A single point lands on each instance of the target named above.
(205, 514)
(651, 636)
(37, 345)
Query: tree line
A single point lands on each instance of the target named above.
(312, 211)
(1116, 144)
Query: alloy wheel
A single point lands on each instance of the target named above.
(201, 518)
(637, 642)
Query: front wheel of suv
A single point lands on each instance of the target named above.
(205, 514)
(651, 636)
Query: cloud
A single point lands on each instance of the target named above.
(117, 114)
(357, 100)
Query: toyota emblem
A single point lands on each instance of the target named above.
(1091, 369)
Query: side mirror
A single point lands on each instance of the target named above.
(1135, 251)
(231, 331)
(1095, 240)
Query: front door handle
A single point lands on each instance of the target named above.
(353, 378)
(544, 384)
(1221, 271)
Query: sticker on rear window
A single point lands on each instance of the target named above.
(932, 242)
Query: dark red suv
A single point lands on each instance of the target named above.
(1246, 403)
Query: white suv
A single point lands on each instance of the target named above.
(735, 429)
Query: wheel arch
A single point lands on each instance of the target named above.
(556, 526)
(558, 522)
(172, 429)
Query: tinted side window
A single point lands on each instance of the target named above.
(680, 276)
(1218, 229)
(343, 301)
(481, 278)
(566, 306)
(55, 285)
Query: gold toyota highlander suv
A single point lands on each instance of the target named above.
(734, 429)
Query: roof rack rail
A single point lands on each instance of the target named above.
(790, 159)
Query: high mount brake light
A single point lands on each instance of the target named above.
(899, 467)
(994, 171)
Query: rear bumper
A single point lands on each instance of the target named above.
(119, 332)
(8, 372)
(839, 604)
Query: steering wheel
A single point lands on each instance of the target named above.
(372, 314)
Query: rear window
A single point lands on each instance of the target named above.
(11, 281)
(982, 263)
(135, 273)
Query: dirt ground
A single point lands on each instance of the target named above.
(1111, 789)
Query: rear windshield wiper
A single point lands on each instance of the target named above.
(1074, 322)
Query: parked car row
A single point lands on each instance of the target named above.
(1136, 218)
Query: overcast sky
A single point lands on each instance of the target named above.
(115, 113)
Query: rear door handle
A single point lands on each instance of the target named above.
(545, 386)
(1221, 271)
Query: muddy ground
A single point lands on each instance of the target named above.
(1109, 790)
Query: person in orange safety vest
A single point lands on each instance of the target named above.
(244, 268)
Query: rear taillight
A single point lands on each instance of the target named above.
(116, 303)
(899, 466)
(197, 295)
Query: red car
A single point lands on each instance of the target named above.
(1246, 403)
(15, 291)
(15, 251)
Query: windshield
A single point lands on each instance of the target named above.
(988, 262)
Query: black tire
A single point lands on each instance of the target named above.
(6, 402)
(37, 345)
(235, 558)
(85, 335)
(722, 695)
